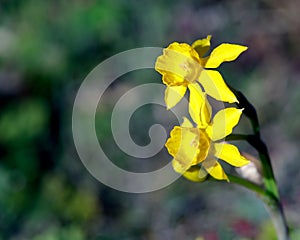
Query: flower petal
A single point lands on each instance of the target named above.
(202, 45)
(173, 95)
(195, 174)
(224, 53)
(215, 86)
(199, 107)
(223, 123)
(186, 123)
(183, 48)
(230, 154)
(215, 169)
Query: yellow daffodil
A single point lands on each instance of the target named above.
(191, 146)
(182, 66)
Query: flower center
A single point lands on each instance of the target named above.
(194, 143)
(185, 66)
(191, 69)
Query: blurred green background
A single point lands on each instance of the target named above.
(46, 50)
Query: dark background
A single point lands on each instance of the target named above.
(46, 50)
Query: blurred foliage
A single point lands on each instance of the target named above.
(46, 50)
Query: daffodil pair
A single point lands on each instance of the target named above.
(197, 149)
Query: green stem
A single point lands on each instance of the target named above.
(250, 185)
(278, 218)
(260, 146)
(273, 203)
(256, 142)
(237, 137)
(267, 170)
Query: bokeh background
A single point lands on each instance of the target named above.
(46, 50)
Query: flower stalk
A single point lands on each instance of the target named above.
(271, 203)
(270, 194)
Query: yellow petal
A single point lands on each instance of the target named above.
(224, 53)
(223, 123)
(199, 107)
(184, 49)
(202, 45)
(186, 123)
(215, 86)
(230, 154)
(215, 169)
(173, 95)
(205, 114)
(183, 145)
(195, 174)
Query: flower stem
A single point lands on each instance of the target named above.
(247, 184)
(273, 203)
(270, 201)
(278, 218)
(267, 170)
(259, 190)
(237, 137)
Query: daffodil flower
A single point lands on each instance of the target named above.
(191, 146)
(182, 66)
